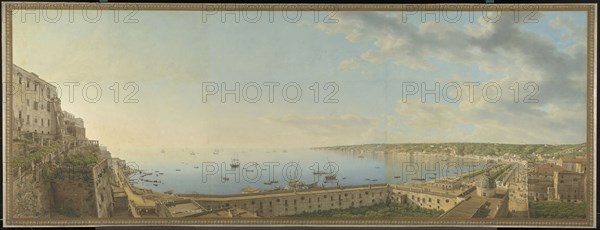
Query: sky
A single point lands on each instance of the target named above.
(162, 62)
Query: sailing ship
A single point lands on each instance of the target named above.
(332, 176)
(235, 162)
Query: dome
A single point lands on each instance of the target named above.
(486, 182)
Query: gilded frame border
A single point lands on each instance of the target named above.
(590, 221)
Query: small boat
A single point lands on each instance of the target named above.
(177, 169)
(320, 172)
(367, 179)
(361, 156)
(226, 178)
(418, 179)
(343, 178)
(162, 151)
(377, 167)
(268, 183)
(374, 180)
(285, 150)
(331, 177)
(155, 184)
(160, 173)
(247, 190)
(192, 153)
(396, 177)
(196, 167)
(274, 181)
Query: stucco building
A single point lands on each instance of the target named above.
(558, 181)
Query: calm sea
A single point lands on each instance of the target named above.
(204, 171)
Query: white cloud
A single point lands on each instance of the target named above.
(348, 65)
(504, 50)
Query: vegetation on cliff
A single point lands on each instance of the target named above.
(36, 155)
(81, 160)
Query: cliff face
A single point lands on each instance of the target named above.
(72, 181)
(33, 196)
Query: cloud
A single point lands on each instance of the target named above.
(571, 29)
(348, 65)
(505, 51)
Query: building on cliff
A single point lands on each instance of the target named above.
(45, 137)
(37, 109)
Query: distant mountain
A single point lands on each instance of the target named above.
(481, 149)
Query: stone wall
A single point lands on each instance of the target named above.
(86, 189)
(32, 196)
(291, 203)
(422, 199)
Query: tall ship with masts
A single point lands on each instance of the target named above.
(235, 162)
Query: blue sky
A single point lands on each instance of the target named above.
(367, 54)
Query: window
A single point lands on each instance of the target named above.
(27, 102)
(35, 120)
(35, 105)
(27, 119)
(28, 84)
(20, 114)
(48, 122)
(42, 121)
